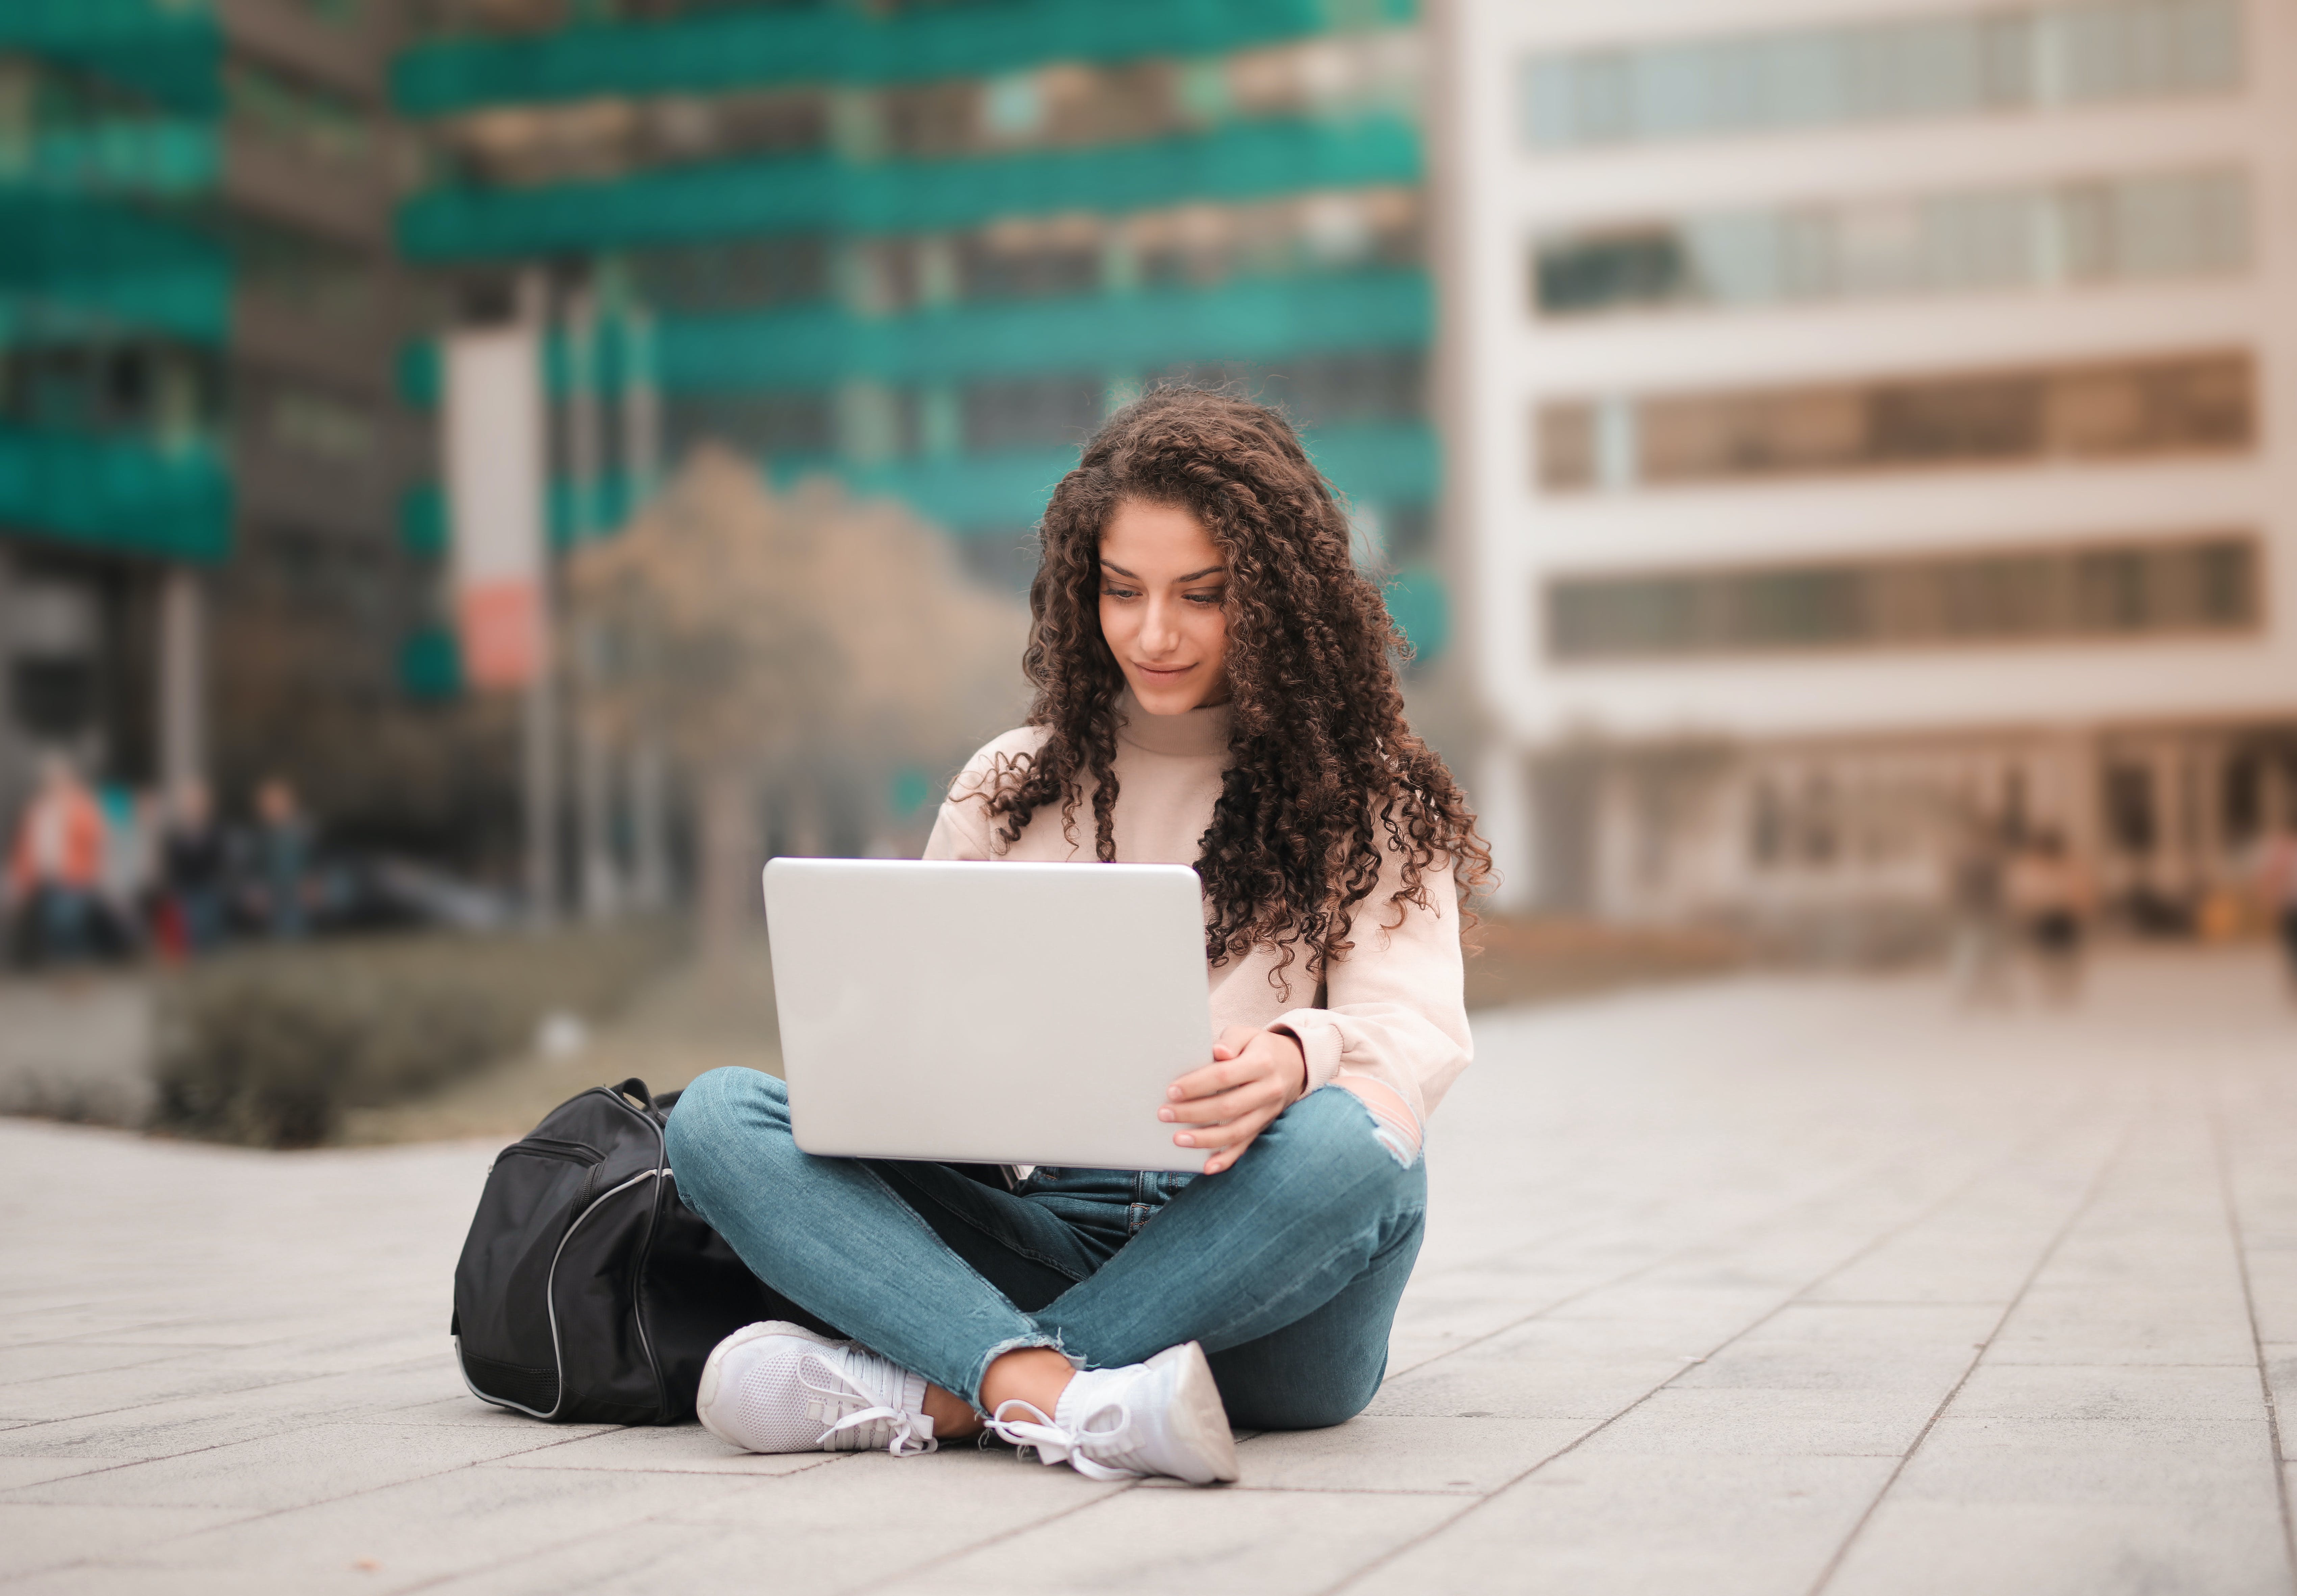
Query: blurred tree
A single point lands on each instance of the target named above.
(805, 643)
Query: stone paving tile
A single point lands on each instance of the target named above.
(1702, 1266)
(413, 1533)
(1547, 1369)
(852, 1523)
(1384, 1452)
(309, 1464)
(1591, 1525)
(142, 1385)
(1743, 1421)
(1976, 1458)
(655, 1449)
(2281, 1369)
(2029, 1549)
(2123, 1393)
(1250, 1542)
(35, 1537)
(35, 1471)
(190, 1423)
(40, 1361)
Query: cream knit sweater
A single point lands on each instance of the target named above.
(1392, 1010)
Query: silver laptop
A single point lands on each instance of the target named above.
(1001, 1013)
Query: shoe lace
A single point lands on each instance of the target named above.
(1082, 1449)
(902, 1433)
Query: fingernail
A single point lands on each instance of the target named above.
(1164, 1113)
(1185, 1140)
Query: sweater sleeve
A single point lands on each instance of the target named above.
(1395, 1008)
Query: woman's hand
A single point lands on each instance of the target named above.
(1255, 1075)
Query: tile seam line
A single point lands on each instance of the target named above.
(2007, 1160)
(430, 1583)
(298, 1380)
(1729, 1234)
(2221, 1147)
(458, 1576)
(2089, 1196)
(997, 1539)
(254, 1517)
(269, 1512)
(421, 1360)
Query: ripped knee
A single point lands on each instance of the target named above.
(1394, 1126)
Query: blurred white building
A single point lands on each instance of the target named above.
(1862, 419)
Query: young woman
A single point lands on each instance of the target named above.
(1214, 687)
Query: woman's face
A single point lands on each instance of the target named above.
(1162, 581)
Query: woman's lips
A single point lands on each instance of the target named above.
(1164, 670)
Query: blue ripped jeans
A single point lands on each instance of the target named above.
(1287, 1267)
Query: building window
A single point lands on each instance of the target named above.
(1030, 412)
(307, 422)
(2190, 585)
(767, 425)
(54, 696)
(1024, 259)
(1903, 69)
(2108, 230)
(746, 274)
(300, 115)
(1321, 390)
(522, 146)
(1331, 230)
(2185, 404)
(2131, 819)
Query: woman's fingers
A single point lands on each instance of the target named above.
(1238, 1133)
(1225, 1105)
(1228, 1155)
(1212, 1078)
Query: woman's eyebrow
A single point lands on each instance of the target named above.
(1208, 571)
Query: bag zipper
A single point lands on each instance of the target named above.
(545, 1147)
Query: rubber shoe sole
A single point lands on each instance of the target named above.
(713, 1368)
(1197, 1419)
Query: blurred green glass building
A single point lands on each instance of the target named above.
(199, 447)
(927, 247)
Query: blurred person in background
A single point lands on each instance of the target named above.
(1216, 686)
(55, 869)
(2277, 877)
(127, 866)
(1975, 891)
(279, 869)
(196, 870)
(2050, 895)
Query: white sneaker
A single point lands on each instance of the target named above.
(776, 1387)
(1162, 1417)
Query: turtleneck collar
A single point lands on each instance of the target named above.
(1200, 734)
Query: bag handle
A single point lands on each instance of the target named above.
(636, 1088)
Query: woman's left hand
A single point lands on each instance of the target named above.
(1255, 1075)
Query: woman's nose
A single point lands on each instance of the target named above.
(1158, 630)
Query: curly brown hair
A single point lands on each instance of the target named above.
(1324, 777)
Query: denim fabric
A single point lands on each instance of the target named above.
(1288, 1267)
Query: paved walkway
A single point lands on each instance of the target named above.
(1764, 1285)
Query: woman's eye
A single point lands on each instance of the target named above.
(1118, 593)
(1208, 600)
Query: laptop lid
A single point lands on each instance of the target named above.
(988, 1013)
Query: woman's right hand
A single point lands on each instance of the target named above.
(1255, 1075)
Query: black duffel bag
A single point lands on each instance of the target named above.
(587, 1293)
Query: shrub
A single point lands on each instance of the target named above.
(269, 1046)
